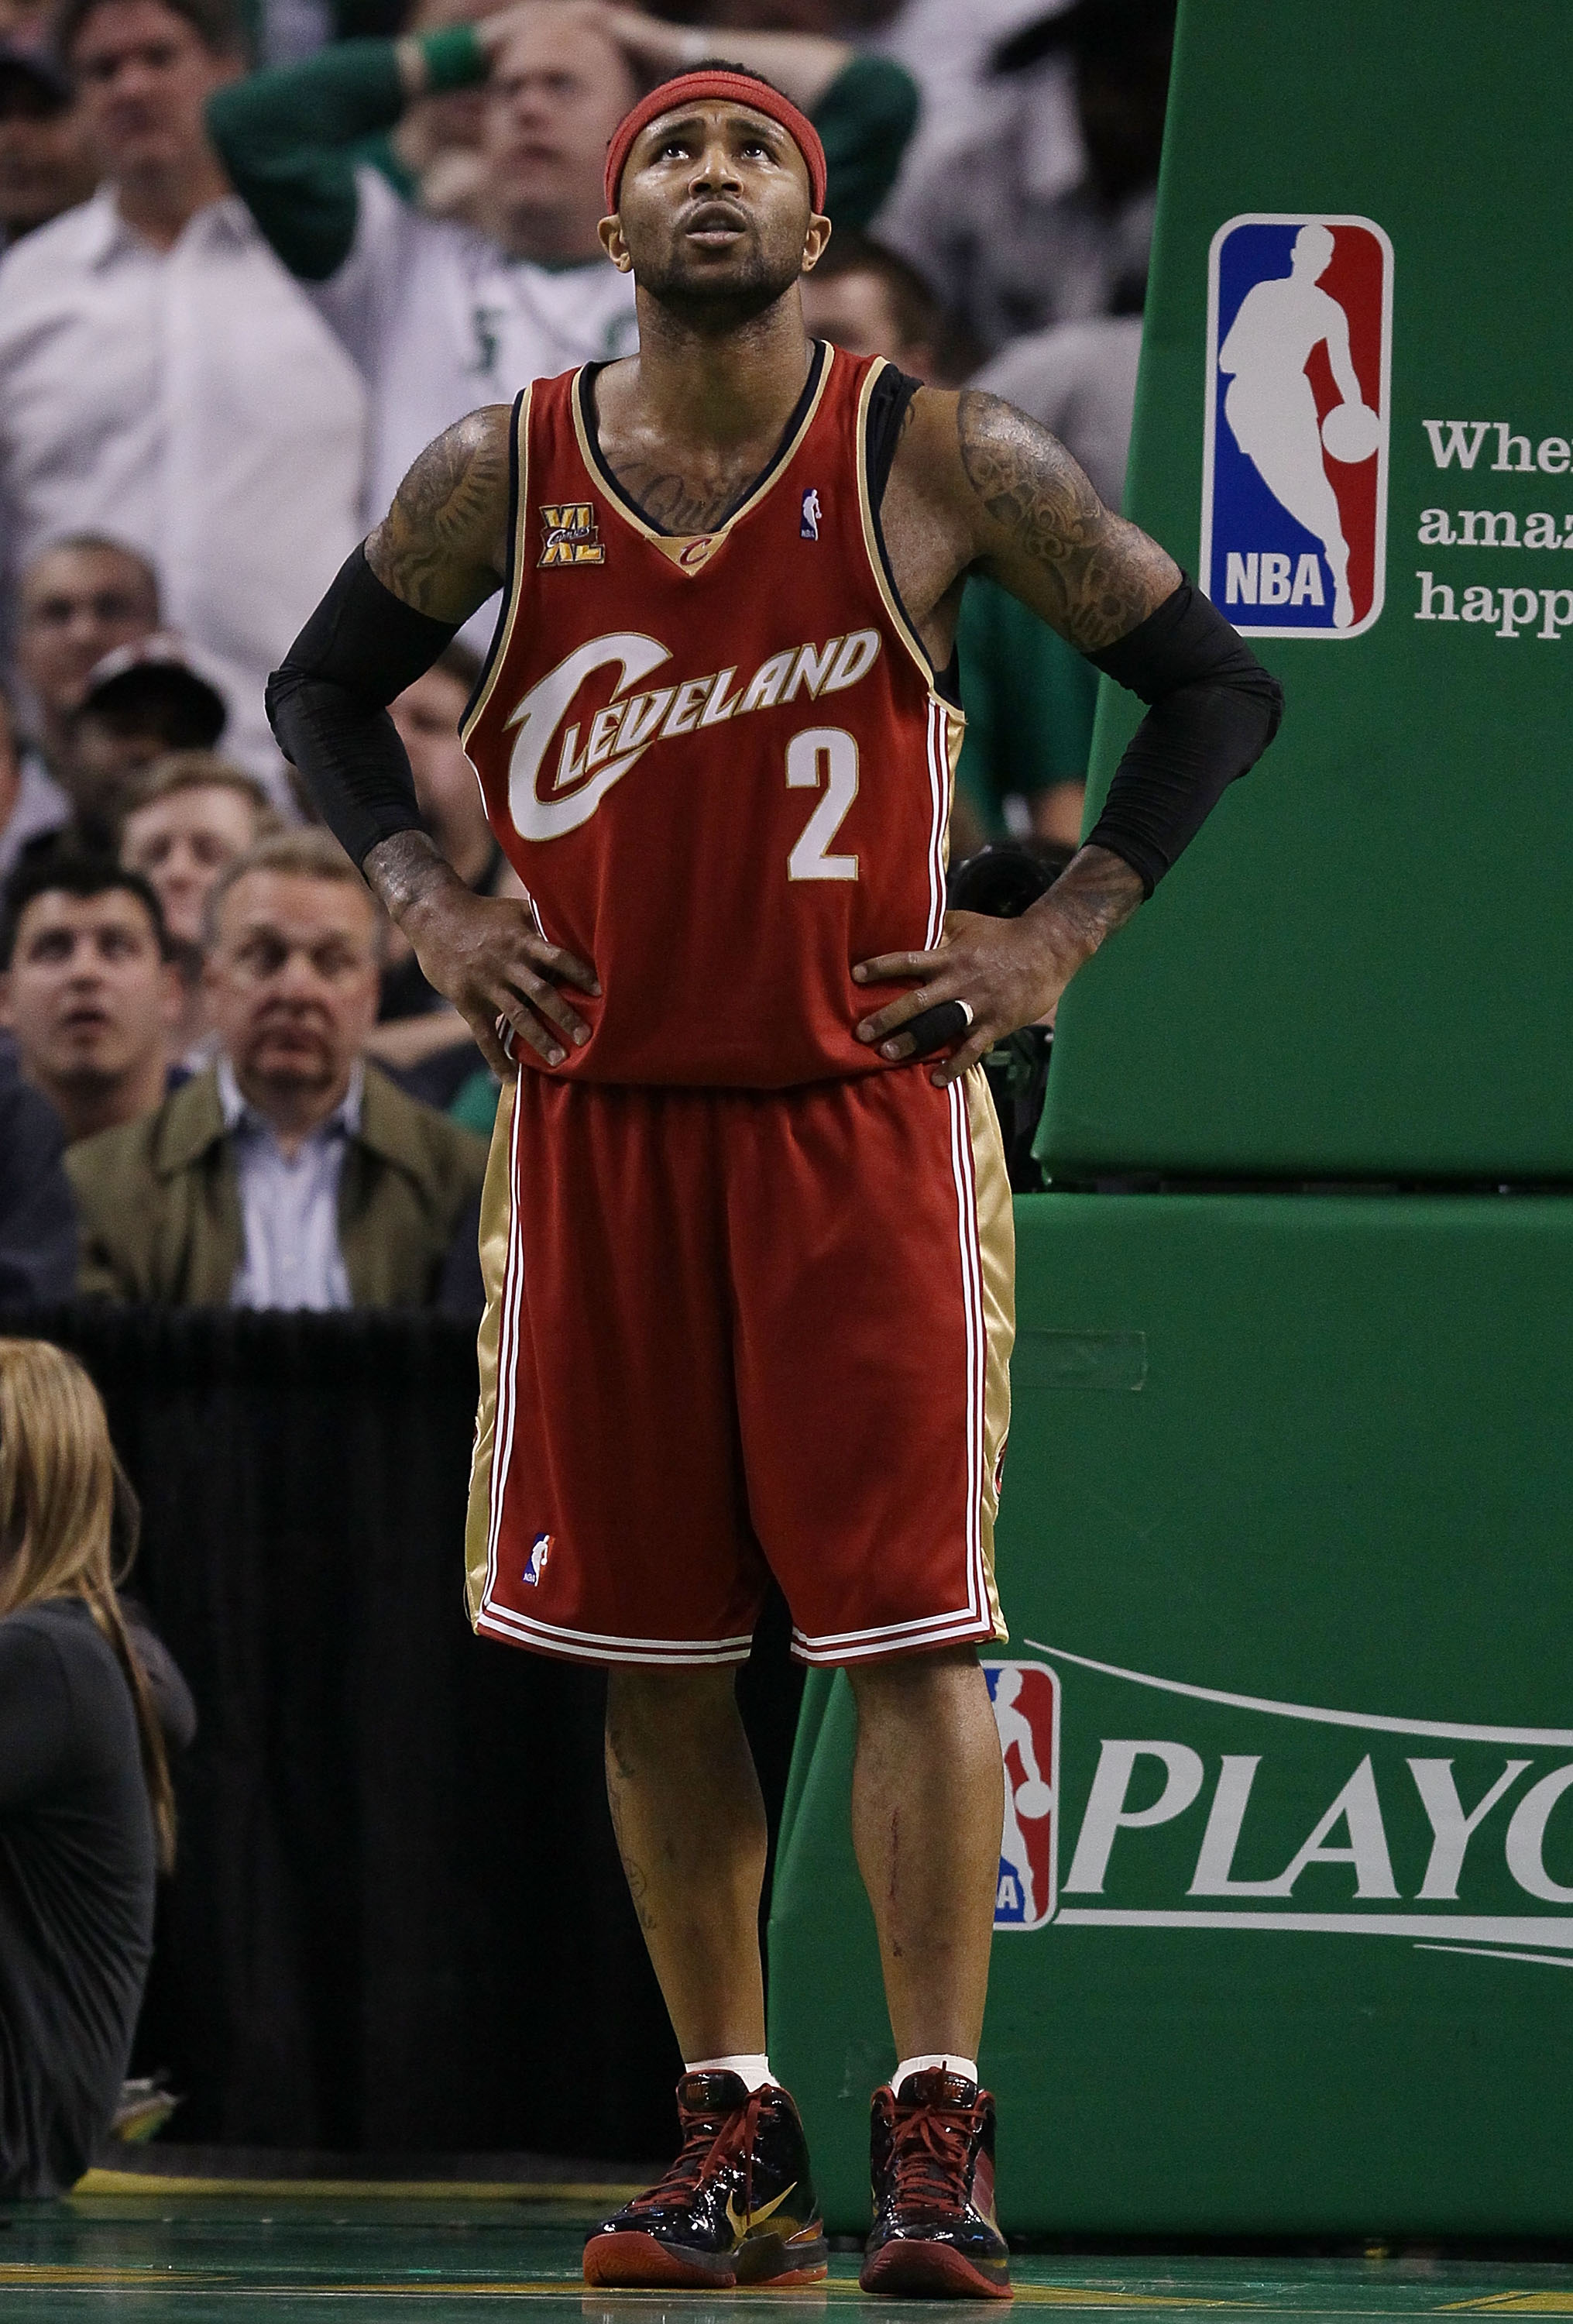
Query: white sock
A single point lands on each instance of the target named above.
(753, 2065)
(966, 2067)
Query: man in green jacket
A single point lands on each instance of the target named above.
(441, 316)
(291, 1175)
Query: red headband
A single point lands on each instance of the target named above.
(686, 90)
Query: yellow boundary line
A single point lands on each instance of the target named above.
(19, 2275)
(24, 2275)
(347, 2191)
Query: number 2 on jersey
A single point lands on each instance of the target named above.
(834, 748)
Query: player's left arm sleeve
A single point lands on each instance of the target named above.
(1214, 710)
(327, 705)
(865, 121)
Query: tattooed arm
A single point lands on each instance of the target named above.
(442, 546)
(977, 486)
(1035, 525)
(438, 555)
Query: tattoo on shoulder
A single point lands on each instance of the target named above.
(444, 533)
(1104, 575)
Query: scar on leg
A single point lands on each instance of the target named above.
(892, 1881)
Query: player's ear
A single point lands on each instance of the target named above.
(814, 243)
(612, 242)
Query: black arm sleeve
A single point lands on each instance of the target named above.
(327, 705)
(1214, 711)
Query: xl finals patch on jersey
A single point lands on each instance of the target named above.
(569, 534)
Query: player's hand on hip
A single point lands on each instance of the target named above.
(486, 955)
(990, 977)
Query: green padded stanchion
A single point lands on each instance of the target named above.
(1362, 968)
(1286, 1513)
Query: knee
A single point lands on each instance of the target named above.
(912, 1683)
(661, 1705)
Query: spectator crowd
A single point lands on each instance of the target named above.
(254, 254)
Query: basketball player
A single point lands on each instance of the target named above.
(749, 1255)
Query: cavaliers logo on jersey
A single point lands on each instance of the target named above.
(569, 534)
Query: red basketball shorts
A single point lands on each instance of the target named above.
(731, 1334)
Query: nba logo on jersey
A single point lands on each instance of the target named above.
(812, 512)
(1026, 1710)
(535, 1564)
(1294, 480)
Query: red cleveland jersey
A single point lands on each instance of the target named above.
(718, 762)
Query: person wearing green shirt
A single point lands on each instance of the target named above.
(446, 314)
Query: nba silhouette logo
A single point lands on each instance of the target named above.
(535, 1564)
(812, 512)
(1294, 480)
(1026, 1710)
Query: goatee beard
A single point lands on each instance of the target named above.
(708, 307)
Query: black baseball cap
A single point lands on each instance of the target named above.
(31, 81)
(157, 683)
(1088, 28)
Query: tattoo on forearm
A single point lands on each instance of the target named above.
(639, 1889)
(618, 1771)
(1096, 893)
(1106, 575)
(400, 869)
(442, 536)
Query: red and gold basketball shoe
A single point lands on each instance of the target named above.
(737, 2206)
(931, 2160)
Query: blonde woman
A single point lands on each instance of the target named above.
(86, 1814)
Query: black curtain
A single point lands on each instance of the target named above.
(398, 1923)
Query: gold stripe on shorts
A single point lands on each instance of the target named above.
(997, 1251)
(496, 1225)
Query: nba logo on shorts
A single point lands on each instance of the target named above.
(1294, 489)
(1026, 1710)
(535, 1564)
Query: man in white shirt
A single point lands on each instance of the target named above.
(160, 376)
(444, 319)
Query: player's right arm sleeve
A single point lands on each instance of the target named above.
(327, 705)
(288, 138)
(1214, 710)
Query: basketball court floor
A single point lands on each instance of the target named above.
(208, 2252)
